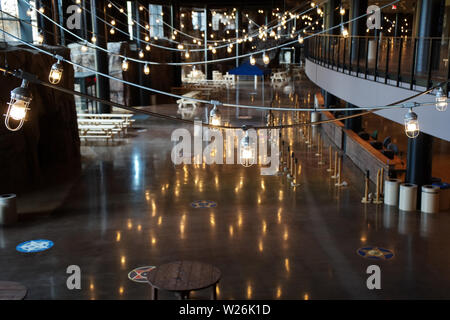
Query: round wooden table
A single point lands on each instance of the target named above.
(183, 277)
(12, 291)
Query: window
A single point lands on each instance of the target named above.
(19, 20)
(156, 23)
(8, 23)
(198, 20)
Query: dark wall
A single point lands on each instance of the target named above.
(47, 148)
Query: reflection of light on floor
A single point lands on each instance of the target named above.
(122, 260)
(129, 224)
(260, 246)
(306, 296)
(286, 264)
(212, 220)
(159, 220)
(118, 236)
(91, 286)
(249, 291)
(264, 228)
(278, 292)
(279, 214)
(285, 235)
(121, 290)
(231, 231)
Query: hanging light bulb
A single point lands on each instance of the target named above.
(229, 49)
(313, 4)
(344, 32)
(109, 5)
(147, 47)
(40, 38)
(215, 117)
(94, 39)
(147, 38)
(252, 60)
(112, 31)
(125, 65)
(56, 72)
(300, 39)
(180, 46)
(41, 10)
(18, 105)
(441, 100)
(121, 10)
(146, 69)
(113, 22)
(214, 50)
(29, 11)
(341, 11)
(84, 47)
(141, 53)
(266, 59)
(247, 157)
(411, 124)
(187, 54)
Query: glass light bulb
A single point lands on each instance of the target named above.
(441, 100)
(147, 47)
(141, 54)
(124, 65)
(146, 69)
(265, 59)
(18, 110)
(93, 39)
(252, 61)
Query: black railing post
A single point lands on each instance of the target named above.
(399, 66)
(367, 58)
(332, 52)
(387, 61)
(343, 55)
(350, 56)
(413, 65)
(358, 57)
(376, 59)
(338, 53)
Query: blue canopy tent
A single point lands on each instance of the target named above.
(246, 69)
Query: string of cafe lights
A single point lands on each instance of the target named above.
(56, 74)
(235, 40)
(21, 99)
(146, 68)
(212, 48)
(86, 44)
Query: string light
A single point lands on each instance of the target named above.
(147, 47)
(441, 100)
(93, 39)
(300, 39)
(215, 117)
(266, 59)
(344, 32)
(411, 124)
(40, 38)
(56, 72)
(141, 54)
(125, 65)
(246, 151)
(252, 60)
(342, 11)
(146, 69)
(112, 31)
(18, 105)
(187, 54)
(84, 47)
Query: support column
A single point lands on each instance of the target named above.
(137, 36)
(419, 161)
(44, 24)
(328, 99)
(238, 29)
(354, 124)
(208, 31)
(429, 24)
(176, 56)
(98, 8)
(357, 27)
(25, 28)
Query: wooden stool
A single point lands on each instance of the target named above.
(182, 277)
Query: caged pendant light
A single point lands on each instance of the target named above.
(18, 106)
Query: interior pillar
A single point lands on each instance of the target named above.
(98, 8)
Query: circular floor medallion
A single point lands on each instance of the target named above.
(203, 204)
(375, 253)
(34, 246)
(140, 274)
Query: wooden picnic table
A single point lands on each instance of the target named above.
(182, 277)
(12, 290)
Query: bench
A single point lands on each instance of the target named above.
(186, 100)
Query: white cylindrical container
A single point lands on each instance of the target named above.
(315, 117)
(430, 199)
(391, 189)
(8, 209)
(408, 197)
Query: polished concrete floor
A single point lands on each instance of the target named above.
(131, 207)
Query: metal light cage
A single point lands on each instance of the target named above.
(412, 128)
(56, 72)
(441, 100)
(246, 151)
(18, 106)
(215, 118)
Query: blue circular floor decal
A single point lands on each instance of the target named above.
(34, 246)
(375, 253)
(140, 274)
(203, 204)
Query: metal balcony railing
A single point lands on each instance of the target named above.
(403, 62)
